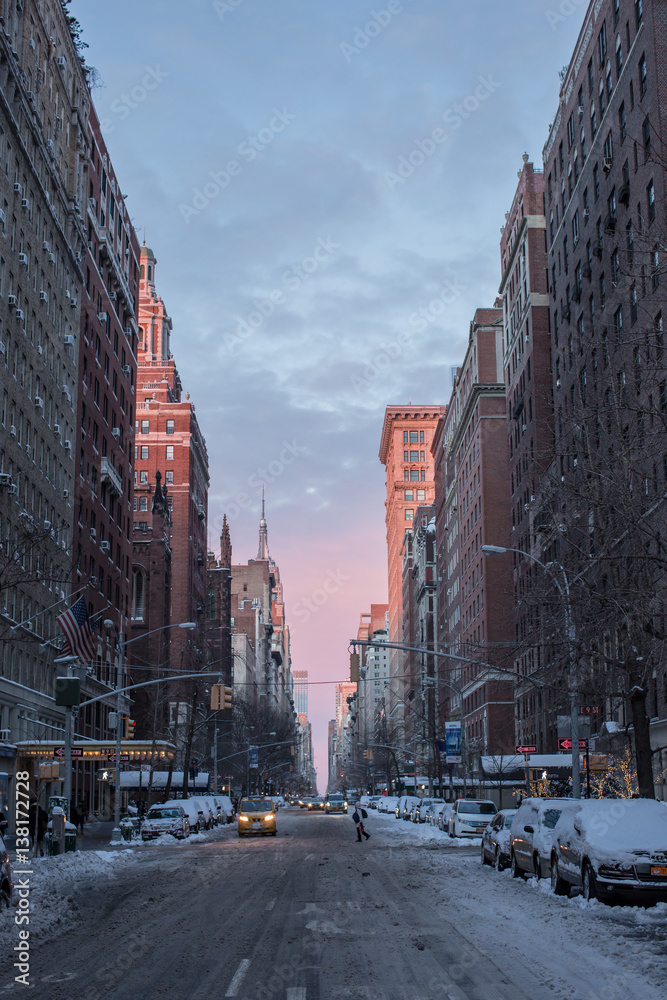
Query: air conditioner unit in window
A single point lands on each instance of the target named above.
(52, 258)
(93, 533)
(47, 526)
(5, 479)
(580, 109)
(105, 546)
(524, 428)
(23, 259)
(25, 203)
(61, 61)
(115, 432)
(12, 431)
(73, 302)
(66, 494)
(45, 245)
(19, 315)
(39, 402)
(102, 317)
(92, 580)
(11, 300)
(68, 446)
(68, 340)
(13, 490)
(607, 164)
(43, 297)
(17, 188)
(126, 369)
(56, 429)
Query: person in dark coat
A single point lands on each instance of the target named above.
(81, 814)
(41, 827)
(359, 823)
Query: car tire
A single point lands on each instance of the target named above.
(559, 886)
(485, 860)
(537, 870)
(517, 871)
(497, 862)
(588, 882)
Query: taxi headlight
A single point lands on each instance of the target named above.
(270, 816)
(244, 819)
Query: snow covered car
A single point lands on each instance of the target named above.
(408, 804)
(226, 808)
(387, 804)
(531, 834)
(613, 849)
(443, 817)
(206, 812)
(469, 817)
(6, 888)
(435, 812)
(335, 803)
(212, 803)
(425, 807)
(167, 818)
(496, 840)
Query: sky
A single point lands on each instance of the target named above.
(323, 184)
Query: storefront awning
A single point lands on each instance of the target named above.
(104, 750)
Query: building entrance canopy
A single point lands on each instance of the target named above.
(105, 750)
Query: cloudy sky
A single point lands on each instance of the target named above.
(323, 183)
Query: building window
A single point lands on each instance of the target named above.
(414, 437)
(622, 122)
(409, 514)
(423, 475)
(642, 76)
(421, 494)
(170, 427)
(138, 594)
(210, 604)
(406, 456)
(143, 503)
(421, 437)
(406, 474)
(144, 452)
(602, 43)
(414, 475)
(414, 456)
(169, 476)
(169, 453)
(650, 200)
(409, 494)
(143, 478)
(646, 137)
(405, 437)
(145, 426)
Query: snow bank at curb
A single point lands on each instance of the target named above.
(422, 833)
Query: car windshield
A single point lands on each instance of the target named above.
(335, 798)
(477, 808)
(256, 805)
(163, 814)
(508, 821)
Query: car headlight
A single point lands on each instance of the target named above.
(244, 819)
(344, 805)
(270, 816)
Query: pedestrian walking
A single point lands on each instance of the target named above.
(81, 814)
(41, 828)
(359, 823)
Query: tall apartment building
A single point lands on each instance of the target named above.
(424, 691)
(405, 451)
(44, 107)
(373, 666)
(300, 691)
(479, 447)
(524, 290)
(168, 440)
(604, 167)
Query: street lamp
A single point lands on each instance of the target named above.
(116, 833)
(570, 631)
(67, 782)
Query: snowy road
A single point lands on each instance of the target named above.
(313, 914)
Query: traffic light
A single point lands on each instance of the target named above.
(129, 725)
(354, 668)
(216, 697)
(368, 755)
(227, 702)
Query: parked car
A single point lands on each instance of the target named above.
(169, 817)
(6, 887)
(613, 849)
(335, 803)
(373, 801)
(206, 810)
(194, 811)
(532, 833)
(469, 817)
(226, 808)
(387, 803)
(425, 807)
(443, 817)
(216, 812)
(434, 812)
(409, 802)
(496, 840)
(257, 815)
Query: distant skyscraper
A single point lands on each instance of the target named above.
(300, 691)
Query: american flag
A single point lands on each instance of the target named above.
(78, 633)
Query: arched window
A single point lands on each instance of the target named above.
(138, 594)
(150, 273)
(142, 272)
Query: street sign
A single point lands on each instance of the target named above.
(590, 710)
(253, 757)
(60, 751)
(453, 742)
(526, 749)
(566, 744)
(77, 751)
(123, 757)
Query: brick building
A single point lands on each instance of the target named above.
(604, 168)
(405, 451)
(479, 447)
(373, 666)
(527, 365)
(168, 439)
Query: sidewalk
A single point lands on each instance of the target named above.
(96, 837)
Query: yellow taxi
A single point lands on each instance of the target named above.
(257, 815)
